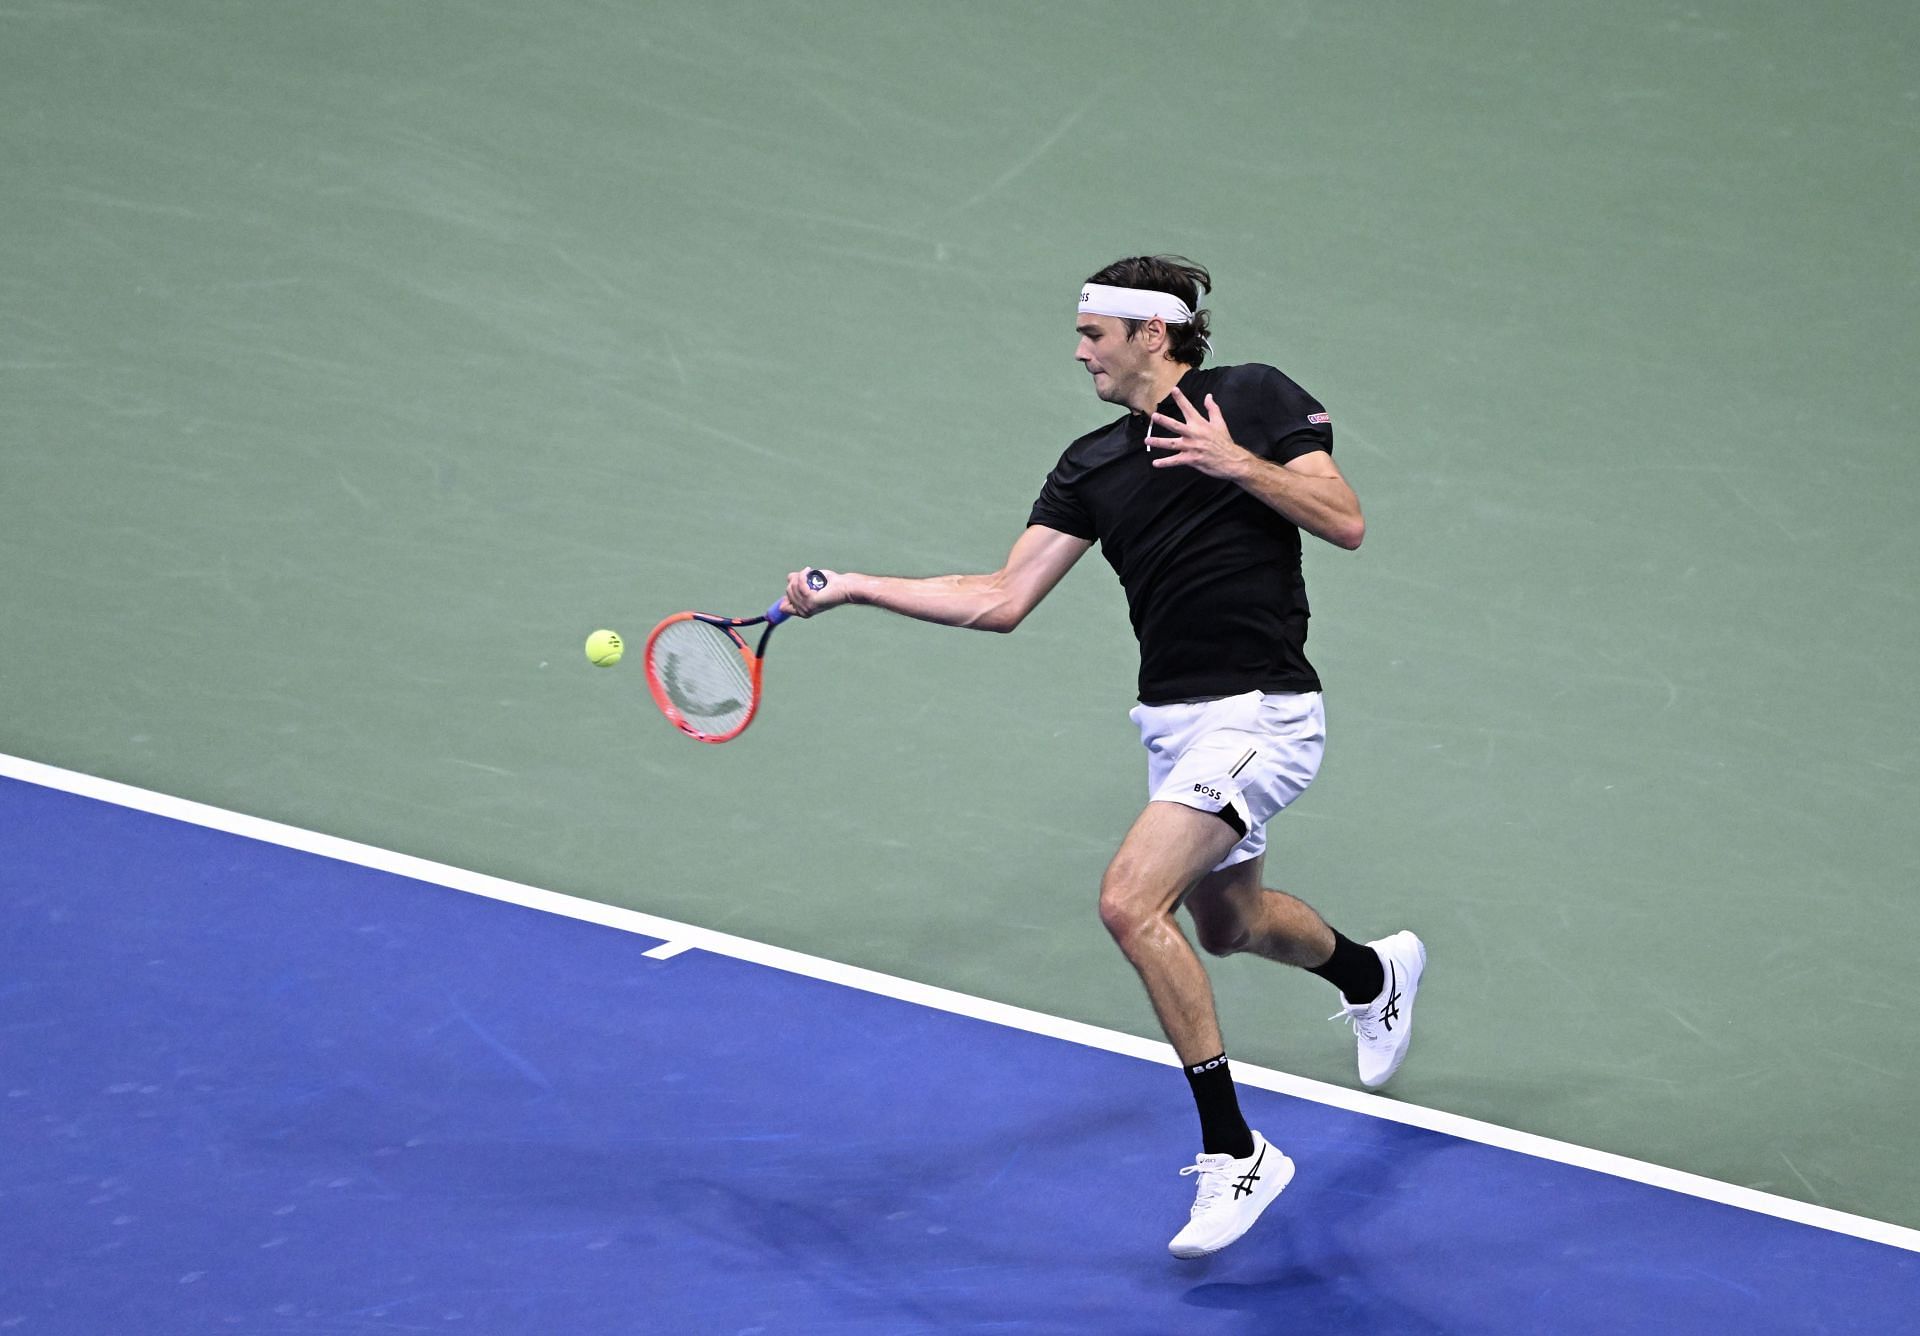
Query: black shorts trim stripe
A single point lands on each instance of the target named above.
(1242, 763)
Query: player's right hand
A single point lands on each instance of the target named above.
(805, 600)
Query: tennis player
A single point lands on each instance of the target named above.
(1197, 496)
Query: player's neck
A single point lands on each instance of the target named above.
(1152, 392)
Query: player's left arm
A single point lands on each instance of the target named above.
(1309, 490)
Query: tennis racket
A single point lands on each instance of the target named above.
(701, 673)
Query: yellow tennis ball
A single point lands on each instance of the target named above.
(604, 649)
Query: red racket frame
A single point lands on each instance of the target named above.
(755, 661)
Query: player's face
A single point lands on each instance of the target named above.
(1117, 364)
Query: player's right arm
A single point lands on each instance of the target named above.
(995, 602)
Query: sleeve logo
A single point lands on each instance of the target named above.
(1319, 419)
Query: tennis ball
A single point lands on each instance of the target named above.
(604, 649)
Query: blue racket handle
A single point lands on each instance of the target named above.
(779, 612)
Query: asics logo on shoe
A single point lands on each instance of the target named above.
(1243, 1185)
(1390, 1011)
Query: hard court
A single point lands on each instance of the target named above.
(369, 962)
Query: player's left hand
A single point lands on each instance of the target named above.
(1201, 442)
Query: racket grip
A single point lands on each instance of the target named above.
(779, 612)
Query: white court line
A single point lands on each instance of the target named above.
(667, 950)
(682, 936)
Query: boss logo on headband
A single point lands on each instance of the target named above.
(1134, 303)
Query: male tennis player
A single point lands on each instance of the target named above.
(1197, 496)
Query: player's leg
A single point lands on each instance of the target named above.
(1239, 1173)
(1233, 912)
(1167, 849)
(1196, 820)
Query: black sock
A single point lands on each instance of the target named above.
(1222, 1130)
(1354, 969)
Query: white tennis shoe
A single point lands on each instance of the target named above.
(1232, 1194)
(1384, 1026)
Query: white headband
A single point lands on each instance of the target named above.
(1133, 304)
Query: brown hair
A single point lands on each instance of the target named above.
(1174, 274)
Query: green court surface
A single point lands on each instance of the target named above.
(359, 359)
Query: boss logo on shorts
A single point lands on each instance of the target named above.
(1209, 792)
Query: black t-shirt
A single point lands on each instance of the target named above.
(1212, 574)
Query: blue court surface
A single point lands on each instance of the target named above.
(253, 1089)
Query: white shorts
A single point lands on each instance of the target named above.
(1247, 756)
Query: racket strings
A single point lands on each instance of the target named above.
(700, 668)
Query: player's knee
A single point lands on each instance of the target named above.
(1124, 911)
(1118, 917)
